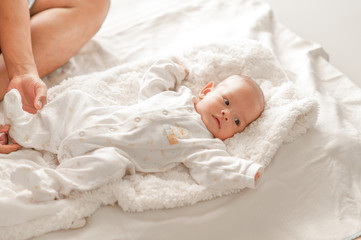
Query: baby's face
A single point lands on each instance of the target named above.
(230, 106)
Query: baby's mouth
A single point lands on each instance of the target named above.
(218, 122)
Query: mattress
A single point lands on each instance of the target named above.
(310, 188)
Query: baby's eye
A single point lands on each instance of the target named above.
(226, 101)
(236, 121)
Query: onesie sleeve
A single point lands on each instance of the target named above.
(163, 75)
(215, 168)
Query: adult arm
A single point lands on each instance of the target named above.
(15, 42)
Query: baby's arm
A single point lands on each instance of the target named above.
(5, 147)
(162, 76)
(215, 168)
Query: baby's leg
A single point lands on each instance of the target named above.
(26, 129)
(13, 107)
(45, 129)
(90, 171)
(79, 173)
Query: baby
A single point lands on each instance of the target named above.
(96, 144)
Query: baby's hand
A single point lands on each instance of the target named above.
(5, 147)
(3, 139)
(185, 70)
(257, 176)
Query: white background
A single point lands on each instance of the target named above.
(334, 24)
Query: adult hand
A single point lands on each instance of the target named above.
(32, 90)
(6, 148)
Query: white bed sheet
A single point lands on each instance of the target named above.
(330, 23)
(311, 190)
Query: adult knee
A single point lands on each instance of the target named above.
(95, 11)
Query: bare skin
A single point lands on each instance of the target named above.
(5, 146)
(33, 45)
(230, 106)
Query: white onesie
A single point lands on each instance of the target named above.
(96, 143)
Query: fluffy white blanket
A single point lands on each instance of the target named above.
(288, 114)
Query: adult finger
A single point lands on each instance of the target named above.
(29, 109)
(40, 98)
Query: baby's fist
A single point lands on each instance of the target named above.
(185, 70)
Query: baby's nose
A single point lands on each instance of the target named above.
(225, 114)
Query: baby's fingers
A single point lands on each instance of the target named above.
(5, 149)
(13, 141)
(185, 70)
(3, 138)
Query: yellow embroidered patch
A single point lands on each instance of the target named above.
(172, 138)
(174, 133)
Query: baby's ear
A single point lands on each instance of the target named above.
(207, 89)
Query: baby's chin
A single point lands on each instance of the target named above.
(221, 136)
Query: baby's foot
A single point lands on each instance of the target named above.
(13, 106)
(78, 223)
